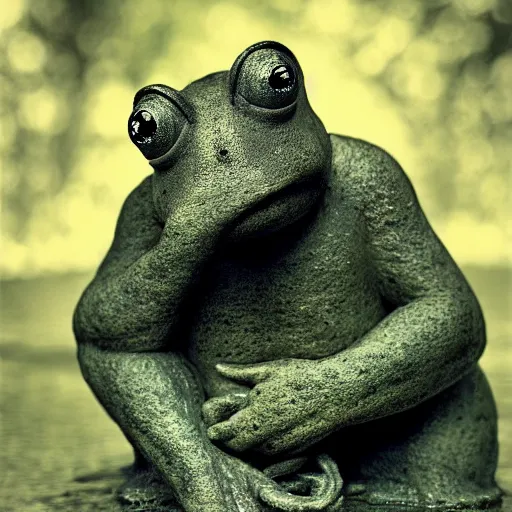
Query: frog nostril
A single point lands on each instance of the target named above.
(223, 152)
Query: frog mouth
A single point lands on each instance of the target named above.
(280, 208)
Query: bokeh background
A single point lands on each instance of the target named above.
(428, 80)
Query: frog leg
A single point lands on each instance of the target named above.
(442, 453)
(156, 399)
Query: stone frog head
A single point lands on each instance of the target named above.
(246, 140)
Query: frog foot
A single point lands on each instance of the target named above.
(302, 492)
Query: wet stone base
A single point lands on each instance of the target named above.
(103, 500)
(99, 494)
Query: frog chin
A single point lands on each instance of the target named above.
(274, 215)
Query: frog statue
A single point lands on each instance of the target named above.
(276, 326)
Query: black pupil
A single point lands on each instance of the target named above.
(281, 77)
(142, 126)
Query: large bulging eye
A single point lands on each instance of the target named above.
(268, 78)
(155, 125)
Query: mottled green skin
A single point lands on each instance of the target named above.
(305, 259)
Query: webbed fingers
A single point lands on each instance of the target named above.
(218, 409)
(221, 431)
(244, 430)
(246, 373)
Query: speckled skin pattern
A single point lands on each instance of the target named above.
(276, 326)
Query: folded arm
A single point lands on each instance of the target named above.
(436, 332)
(134, 301)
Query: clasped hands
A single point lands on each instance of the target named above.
(293, 403)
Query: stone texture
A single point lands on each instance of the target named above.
(273, 290)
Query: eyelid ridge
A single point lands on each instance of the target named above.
(170, 94)
(238, 64)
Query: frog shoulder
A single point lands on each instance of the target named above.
(362, 169)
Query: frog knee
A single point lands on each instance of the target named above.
(99, 365)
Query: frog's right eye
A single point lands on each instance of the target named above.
(155, 125)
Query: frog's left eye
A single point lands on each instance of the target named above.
(155, 125)
(266, 76)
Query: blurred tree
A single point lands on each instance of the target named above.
(438, 71)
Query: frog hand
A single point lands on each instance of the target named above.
(292, 404)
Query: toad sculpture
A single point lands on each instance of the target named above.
(276, 326)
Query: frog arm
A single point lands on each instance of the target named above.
(133, 303)
(435, 332)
